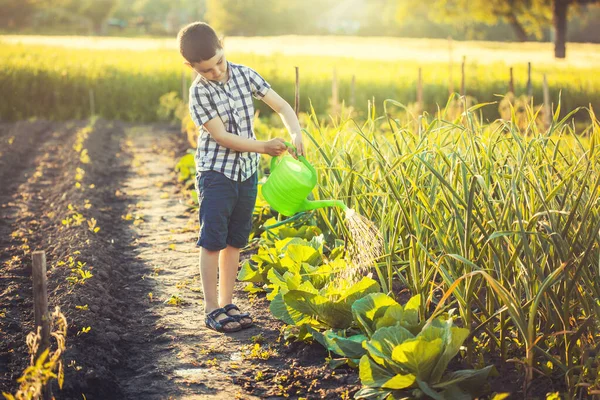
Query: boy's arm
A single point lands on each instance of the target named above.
(288, 116)
(203, 112)
(215, 127)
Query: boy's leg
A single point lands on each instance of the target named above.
(229, 260)
(240, 225)
(217, 196)
(209, 261)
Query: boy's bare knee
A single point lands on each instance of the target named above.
(209, 252)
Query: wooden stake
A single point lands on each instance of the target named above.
(462, 84)
(40, 298)
(40, 308)
(352, 91)
(420, 90)
(547, 106)
(334, 93)
(529, 82)
(450, 80)
(297, 92)
(511, 83)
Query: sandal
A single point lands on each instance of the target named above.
(221, 325)
(239, 317)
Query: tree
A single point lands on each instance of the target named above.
(15, 13)
(527, 17)
(96, 11)
(560, 10)
(264, 17)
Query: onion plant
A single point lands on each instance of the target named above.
(502, 217)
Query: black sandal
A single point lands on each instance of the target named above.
(239, 317)
(219, 326)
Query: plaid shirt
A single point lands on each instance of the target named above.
(232, 103)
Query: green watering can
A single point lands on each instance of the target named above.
(290, 182)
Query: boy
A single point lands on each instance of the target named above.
(220, 104)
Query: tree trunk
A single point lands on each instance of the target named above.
(559, 12)
(518, 28)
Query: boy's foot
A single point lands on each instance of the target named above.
(220, 321)
(233, 311)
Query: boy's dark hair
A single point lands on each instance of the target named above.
(198, 42)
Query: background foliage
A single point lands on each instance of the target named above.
(461, 19)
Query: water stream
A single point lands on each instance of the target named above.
(365, 246)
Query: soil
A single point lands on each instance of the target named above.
(138, 345)
(136, 327)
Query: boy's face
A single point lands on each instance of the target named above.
(214, 69)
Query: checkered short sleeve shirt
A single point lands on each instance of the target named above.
(232, 102)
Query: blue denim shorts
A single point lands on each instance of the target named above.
(226, 208)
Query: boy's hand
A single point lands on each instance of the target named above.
(297, 139)
(275, 147)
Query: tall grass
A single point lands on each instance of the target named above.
(55, 82)
(505, 221)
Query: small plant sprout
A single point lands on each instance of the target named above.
(260, 339)
(83, 330)
(259, 376)
(92, 225)
(174, 300)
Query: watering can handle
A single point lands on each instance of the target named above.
(302, 159)
(291, 147)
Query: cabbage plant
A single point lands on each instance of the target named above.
(406, 358)
(298, 301)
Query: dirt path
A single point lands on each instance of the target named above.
(179, 356)
(170, 353)
(136, 328)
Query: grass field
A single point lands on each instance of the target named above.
(364, 48)
(55, 77)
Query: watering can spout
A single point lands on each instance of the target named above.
(314, 204)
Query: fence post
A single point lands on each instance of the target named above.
(420, 90)
(462, 84)
(353, 91)
(450, 81)
(334, 93)
(40, 306)
(511, 82)
(547, 106)
(297, 92)
(529, 82)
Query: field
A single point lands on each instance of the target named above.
(486, 283)
(362, 48)
(58, 82)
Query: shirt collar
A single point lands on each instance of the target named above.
(220, 84)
